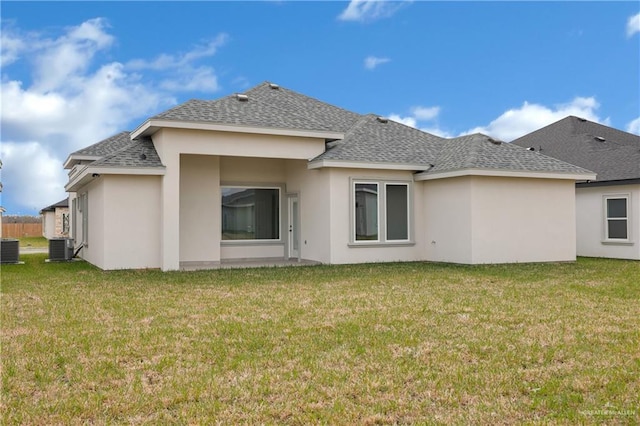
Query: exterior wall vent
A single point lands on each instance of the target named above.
(60, 249)
(274, 86)
(241, 97)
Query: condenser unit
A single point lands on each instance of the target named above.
(60, 249)
(9, 251)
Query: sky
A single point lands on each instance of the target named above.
(74, 73)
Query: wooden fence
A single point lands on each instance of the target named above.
(18, 230)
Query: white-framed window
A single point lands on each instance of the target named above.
(616, 214)
(381, 212)
(250, 213)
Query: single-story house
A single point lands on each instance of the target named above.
(274, 174)
(55, 220)
(608, 207)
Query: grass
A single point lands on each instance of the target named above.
(360, 344)
(38, 242)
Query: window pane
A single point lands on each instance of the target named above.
(250, 214)
(617, 207)
(366, 211)
(617, 229)
(397, 209)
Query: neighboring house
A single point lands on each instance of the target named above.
(276, 174)
(55, 220)
(608, 207)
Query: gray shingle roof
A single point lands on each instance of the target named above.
(54, 206)
(252, 112)
(575, 140)
(139, 153)
(106, 146)
(311, 109)
(371, 140)
(478, 151)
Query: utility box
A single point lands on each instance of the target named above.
(9, 251)
(60, 249)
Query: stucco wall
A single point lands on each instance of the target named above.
(522, 220)
(446, 214)
(199, 208)
(341, 210)
(49, 225)
(312, 187)
(94, 251)
(590, 220)
(131, 222)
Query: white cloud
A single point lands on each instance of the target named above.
(633, 25)
(420, 114)
(529, 117)
(370, 10)
(634, 126)
(31, 175)
(372, 62)
(76, 98)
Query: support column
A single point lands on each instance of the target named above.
(170, 228)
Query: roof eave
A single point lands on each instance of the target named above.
(74, 159)
(505, 173)
(151, 126)
(318, 164)
(90, 173)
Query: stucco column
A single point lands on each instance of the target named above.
(170, 205)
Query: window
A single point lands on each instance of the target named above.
(380, 216)
(367, 212)
(250, 213)
(616, 222)
(65, 223)
(84, 209)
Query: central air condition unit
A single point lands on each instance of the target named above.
(60, 249)
(9, 251)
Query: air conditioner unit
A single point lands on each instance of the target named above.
(9, 251)
(60, 249)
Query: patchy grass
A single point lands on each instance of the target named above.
(359, 344)
(38, 242)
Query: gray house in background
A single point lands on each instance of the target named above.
(55, 220)
(607, 208)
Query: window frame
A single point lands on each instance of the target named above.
(354, 231)
(382, 240)
(253, 241)
(607, 219)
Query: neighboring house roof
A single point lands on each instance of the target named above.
(60, 204)
(611, 153)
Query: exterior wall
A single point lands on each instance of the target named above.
(199, 208)
(93, 252)
(171, 144)
(313, 189)
(130, 222)
(590, 222)
(49, 225)
(341, 210)
(253, 171)
(446, 213)
(522, 220)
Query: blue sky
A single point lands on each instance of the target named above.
(74, 73)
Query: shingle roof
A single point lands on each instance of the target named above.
(139, 153)
(54, 206)
(106, 146)
(250, 112)
(374, 141)
(311, 109)
(576, 141)
(478, 151)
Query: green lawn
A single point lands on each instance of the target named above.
(39, 242)
(366, 344)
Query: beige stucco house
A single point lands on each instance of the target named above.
(274, 174)
(608, 207)
(55, 220)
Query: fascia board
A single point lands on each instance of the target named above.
(365, 165)
(85, 175)
(151, 126)
(504, 173)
